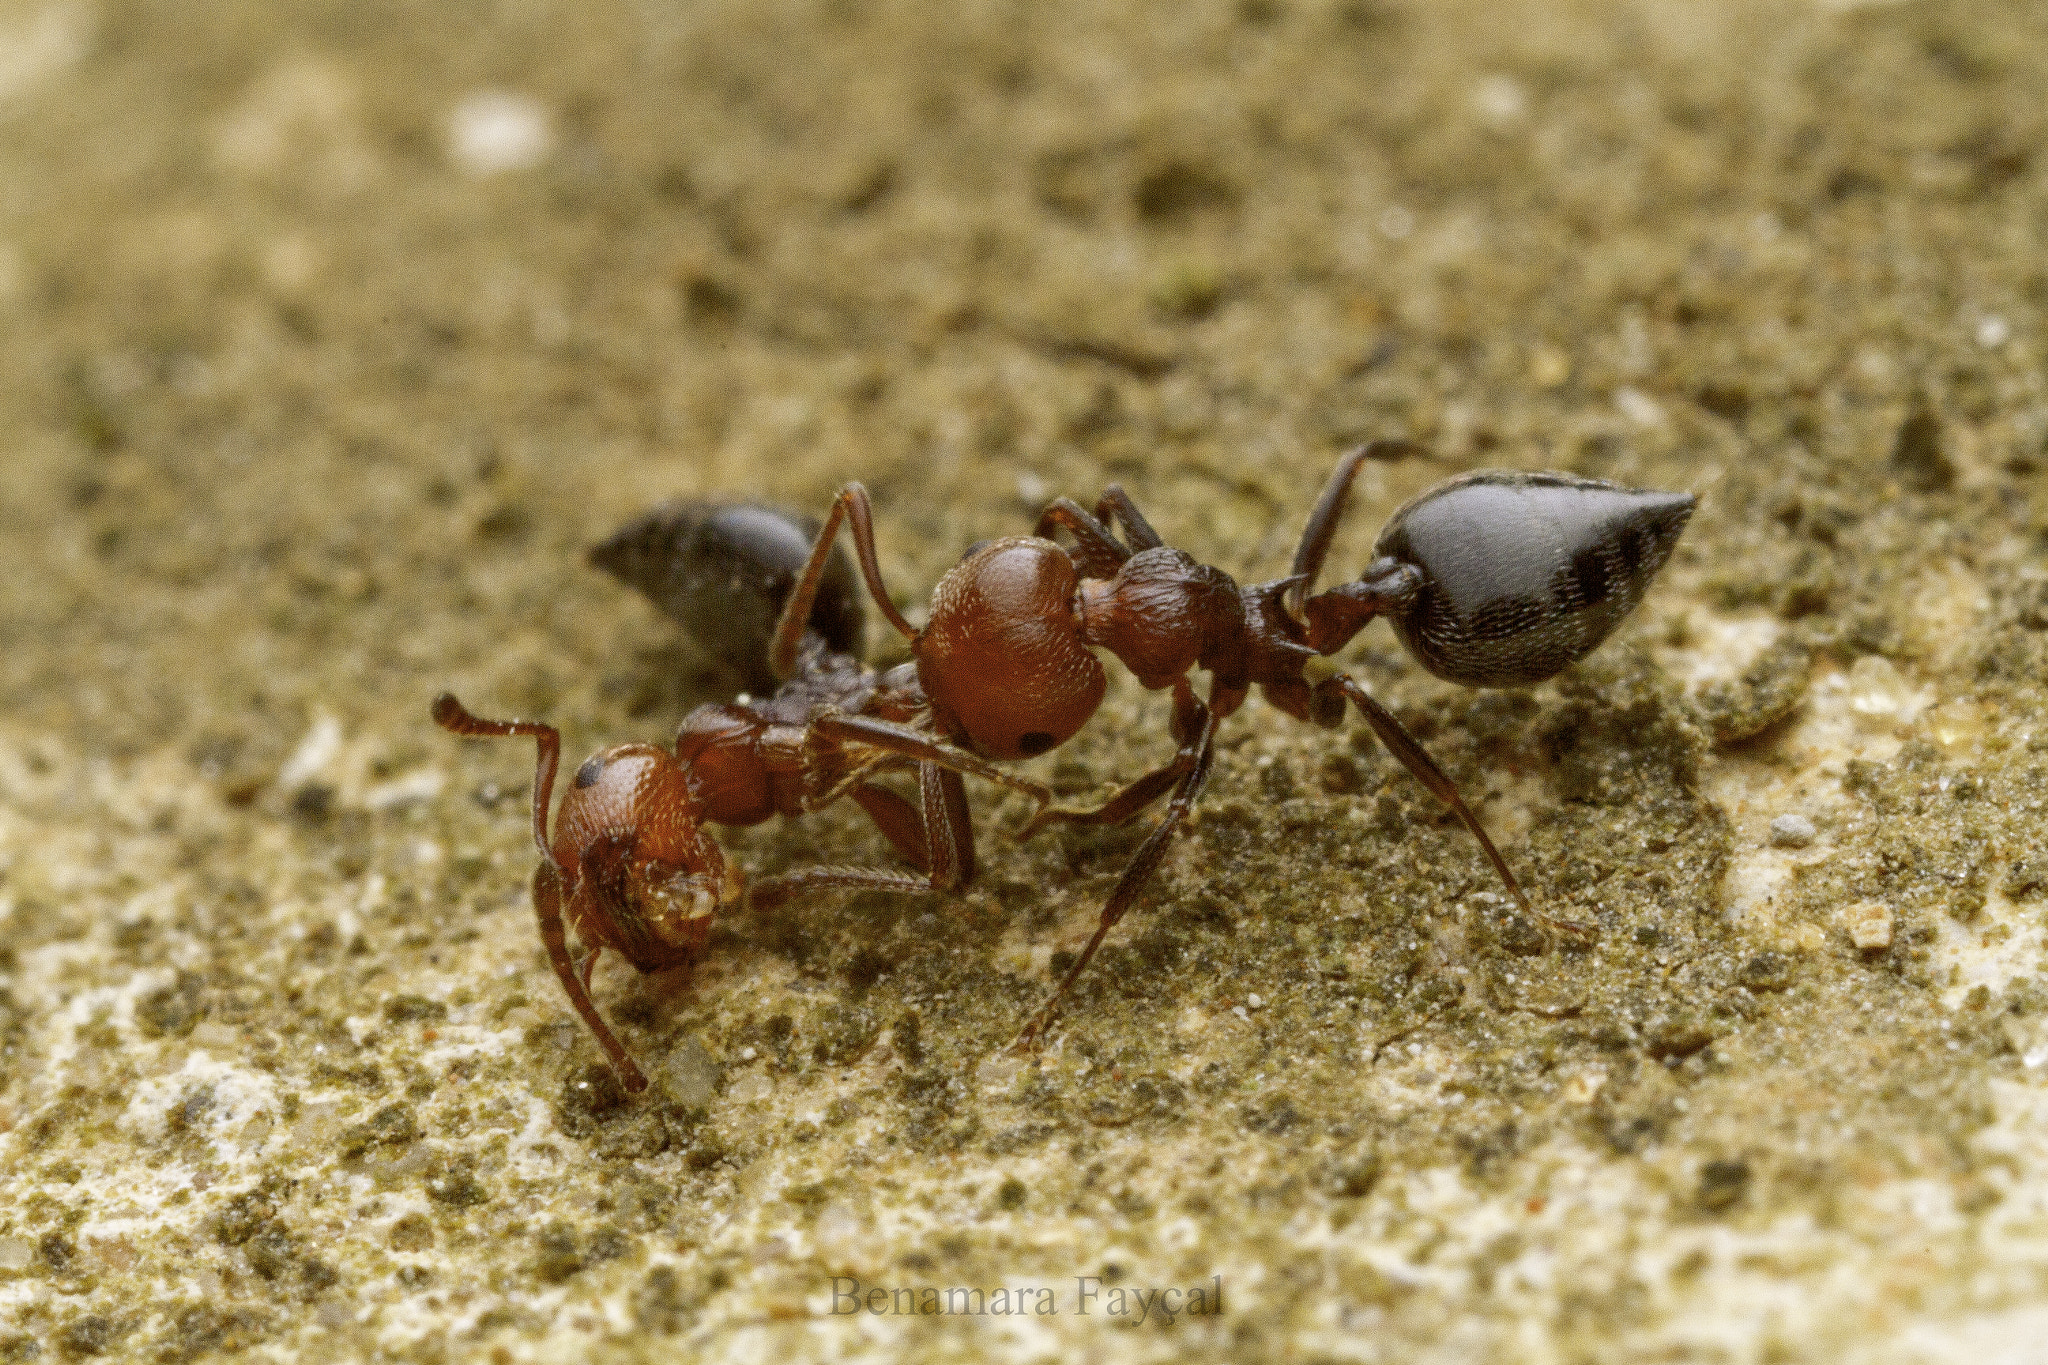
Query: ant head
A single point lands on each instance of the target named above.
(629, 865)
(1003, 660)
(644, 878)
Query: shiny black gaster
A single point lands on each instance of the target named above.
(1521, 575)
(723, 570)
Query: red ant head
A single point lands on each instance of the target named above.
(629, 865)
(1002, 660)
(641, 874)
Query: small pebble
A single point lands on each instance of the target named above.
(1500, 100)
(1639, 407)
(1791, 831)
(1584, 1086)
(1869, 925)
(495, 130)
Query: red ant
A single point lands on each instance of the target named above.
(630, 866)
(1492, 579)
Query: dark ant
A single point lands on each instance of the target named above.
(1492, 579)
(722, 572)
(630, 866)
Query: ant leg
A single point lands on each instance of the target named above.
(547, 908)
(1115, 504)
(937, 840)
(913, 743)
(774, 890)
(1133, 880)
(1416, 760)
(452, 716)
(1123, 806)
(898, 819)
(946, 853)
(1097, 552)
(851, 505)
(1189, 714)
(949, 829)
(1329, 510)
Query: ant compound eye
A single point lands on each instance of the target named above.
(1003, 660)
(1525, 574)
(592, 769)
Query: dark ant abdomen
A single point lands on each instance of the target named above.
(1522, 575)
(723, 570)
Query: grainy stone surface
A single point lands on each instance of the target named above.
(334, 334)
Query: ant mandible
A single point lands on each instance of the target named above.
(630, 866)
(1492, 579)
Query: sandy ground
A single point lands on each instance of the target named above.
(330, 337)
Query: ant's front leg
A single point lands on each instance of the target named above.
(1189, 718)
(938, 839)
(897, 819)
(768, 891)
(1115, 506)
(907, 741)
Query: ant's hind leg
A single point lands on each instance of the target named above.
(1416, 760)
(1329, 510)
(851, 505)
(1133, 880)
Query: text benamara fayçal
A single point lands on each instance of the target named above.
(1090, 1297)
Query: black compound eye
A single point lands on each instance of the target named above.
(588, 773)
(1035, 743)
